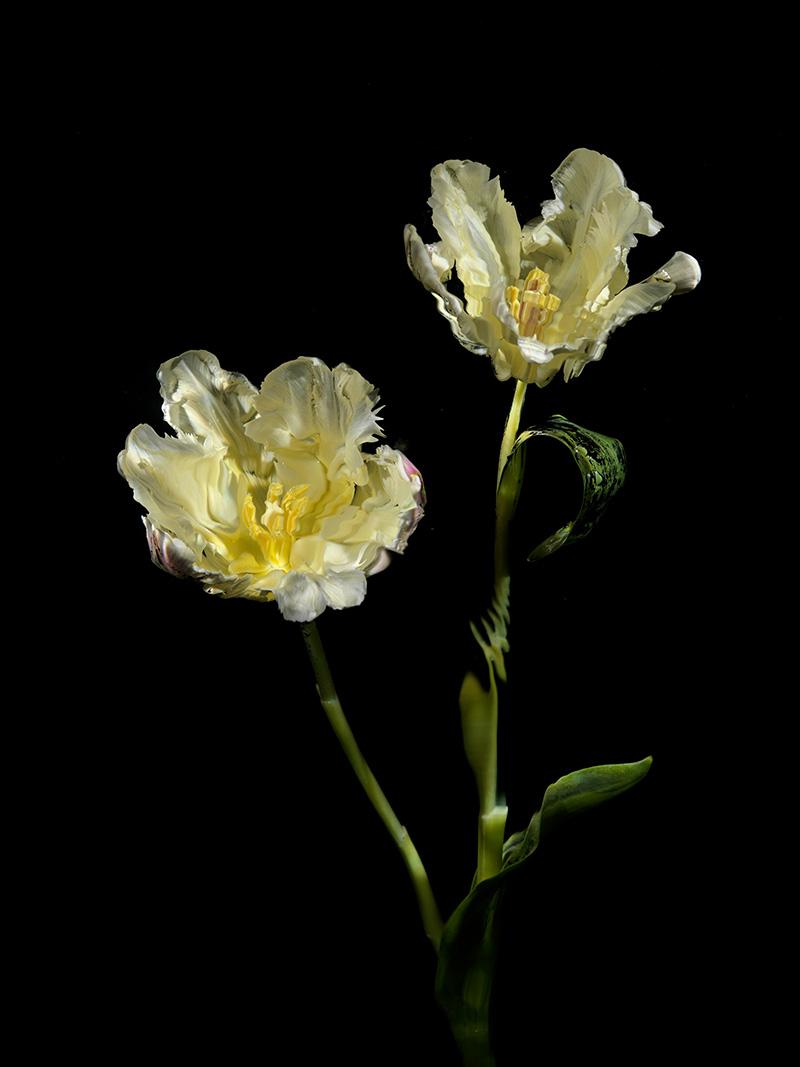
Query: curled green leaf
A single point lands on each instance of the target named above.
(600, 460)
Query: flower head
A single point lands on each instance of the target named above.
(543, 296)
(268, 494)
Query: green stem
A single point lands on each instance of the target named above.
(329, 699)
(491, 822)
(512, 426)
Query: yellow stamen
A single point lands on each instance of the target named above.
(533, 307)
(276, 532)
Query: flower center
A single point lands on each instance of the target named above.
(533, 306)
(276, 531)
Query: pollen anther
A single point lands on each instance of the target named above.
(533, 305)
(277, 529)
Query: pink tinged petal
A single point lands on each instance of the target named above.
(411, 519)
(380, 563)
(190, 483)
(413, 475)
(168, 553)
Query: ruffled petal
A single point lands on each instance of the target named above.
(380, 563)
(301, 597)
(581, 241)
(187, 486)
(581, 184)
(405, 489)
(345, 589)
(385, 510)
(256, 532)
(479, 227)
(383, 515)
(427, 269)
(584, 233)
(683, 271)
(528, 361)
(212, 404)
(170, 554)
(303, 406)
(680, 275)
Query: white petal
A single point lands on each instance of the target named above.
(386, 510)
(581, 183)
(424, 267)
(534, 351)
(384, 513)
(479, 226)
(317, 553)
(683, 271)
(212, 404)
(302, 597)
(303, 406)
(187, 486)
(345, 589)
(594, 216)
(442, 259)
(679, 275)
(533, 362)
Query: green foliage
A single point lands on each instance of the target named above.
(600, 460)
(470, 939)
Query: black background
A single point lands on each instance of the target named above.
(223, 887)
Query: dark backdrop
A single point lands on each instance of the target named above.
(227, 888)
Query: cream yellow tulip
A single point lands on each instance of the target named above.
(545, 296)
(268, 494)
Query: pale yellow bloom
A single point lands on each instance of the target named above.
(268, 494)
(544, 296)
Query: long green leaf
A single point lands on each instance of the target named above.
(468, 948)
(574, 792)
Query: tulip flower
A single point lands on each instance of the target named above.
(267, 494)
(545, 296)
